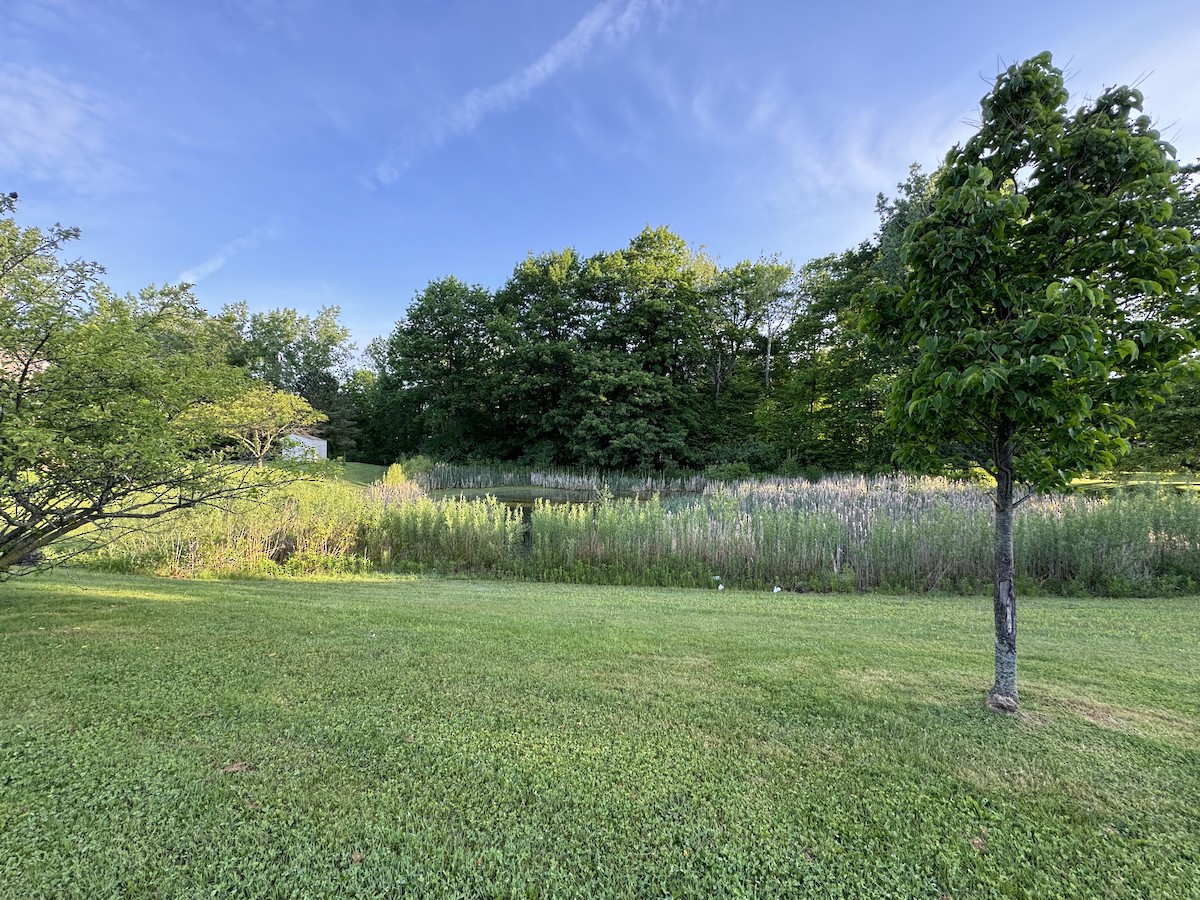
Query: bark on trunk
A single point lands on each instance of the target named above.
(1003, 695)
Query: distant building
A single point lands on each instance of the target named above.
(12, 367)
(305, 446)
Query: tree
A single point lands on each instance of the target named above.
(747, 309)
(1047, 294)
(94, 388)
(286, 349)
(538, 330)
(829, 410)
(637, 404)
(1168, 436)
(301, 355)
(441, 356)
(260, 419)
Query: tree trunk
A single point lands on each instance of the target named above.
(1003, 695)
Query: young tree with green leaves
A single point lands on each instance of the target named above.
(260, 420)
(300, 355)
(95, 389)
(1047, 294)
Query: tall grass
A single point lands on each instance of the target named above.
(795, 535)
(590, 483)
(838, 534)
(455, 535)
(308, 528)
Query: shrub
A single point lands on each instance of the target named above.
(414, 466)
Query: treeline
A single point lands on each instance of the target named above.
(648, 357)
(651, 357)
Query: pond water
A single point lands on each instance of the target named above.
(520, 496)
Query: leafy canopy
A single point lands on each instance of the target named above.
(95, 389)
(1048, 291)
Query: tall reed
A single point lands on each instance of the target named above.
(453, 535)
(306, 529)
(904, 534)
(591, 483)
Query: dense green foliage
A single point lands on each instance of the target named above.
(462, 739)
(654, 356)
(308, 357)
(1048, 293)
(102, 399)
(260, 420)
(650, 357)
(1166, 437)
(573, 361)
(1049, 289)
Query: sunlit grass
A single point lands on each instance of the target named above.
(361, 473)
(456, 738)
(1144, 480)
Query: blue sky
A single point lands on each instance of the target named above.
(306, 153)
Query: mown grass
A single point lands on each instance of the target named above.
(361, 473)
(376, 738)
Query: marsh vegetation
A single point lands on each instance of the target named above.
(839, 533)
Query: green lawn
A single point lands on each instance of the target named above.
(362, 473)
(1178, 480)
(487, 739)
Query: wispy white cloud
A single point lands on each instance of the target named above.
(794, 148)
(272, 15)
(793, 158)
(199, 272)
(811, 170)
(613, 21)
(55, 130)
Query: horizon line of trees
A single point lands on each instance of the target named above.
(648, 357)
(652, 356)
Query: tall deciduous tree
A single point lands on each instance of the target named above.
(538, 330)
(286, 349)
(1168, 436)
(93, 394)
(748, 309)
(441, 357)
(1048, 292)
(638, 398)
(829, 411)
